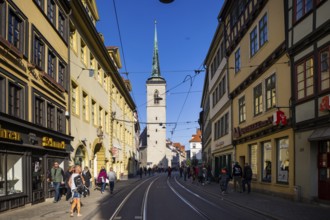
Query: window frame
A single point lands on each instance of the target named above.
(305, 79)
(237, 60)
(320, 72)
(39, 111)
(50, 116)
(254, 41)
(303, 10)
(257, 100)
(263, 30)
(282, 171)
(241, 109)
(270, 91)
(16, 100)
(51, 11)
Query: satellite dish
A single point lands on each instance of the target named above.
(166, 1)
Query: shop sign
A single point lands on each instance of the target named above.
(114, 151)
(10, 135)
(240, 131)
(49, 142)
(279, 118)
(325, 103)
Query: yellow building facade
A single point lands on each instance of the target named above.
(34, 98)
(260, 89)
(101, 106)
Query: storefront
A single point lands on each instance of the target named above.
(27, 153)
(269, 150)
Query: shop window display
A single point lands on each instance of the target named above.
(283, 160)
(11, 180)
(267, 162)
(254, 159)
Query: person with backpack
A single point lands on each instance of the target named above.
(247, 177)
(237, 176)
(76, 184)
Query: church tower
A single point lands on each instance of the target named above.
(156, 113)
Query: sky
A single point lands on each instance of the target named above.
(185, 29)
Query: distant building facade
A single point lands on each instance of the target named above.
(195, 144)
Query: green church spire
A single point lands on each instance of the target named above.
(155, 60)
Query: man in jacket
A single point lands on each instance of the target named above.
(112, 178)
(56, 176)
(247, 177)
(237, 176)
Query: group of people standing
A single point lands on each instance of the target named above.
(240, 177)
(77, 183)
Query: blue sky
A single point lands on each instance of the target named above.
(185, 30)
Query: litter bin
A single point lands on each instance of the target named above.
(297, 193)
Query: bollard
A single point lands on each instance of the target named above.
(297, 193)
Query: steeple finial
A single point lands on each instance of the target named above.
(155, 60)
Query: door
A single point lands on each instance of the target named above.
(38, 179)
(324, 170)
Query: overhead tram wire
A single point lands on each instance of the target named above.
(121, 45)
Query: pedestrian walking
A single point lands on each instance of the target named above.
(112, 178)
(169, 172)
(57, 178)
(223, 180)
(247, 177)
(67, 177)
(87, 177)
(140, 172)
(102, 179)
(185, 172)
(237, 176)
(75, 182)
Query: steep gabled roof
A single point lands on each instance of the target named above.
(197, 137)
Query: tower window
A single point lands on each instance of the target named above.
(156, 97)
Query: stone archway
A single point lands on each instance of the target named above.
(81, 156)
(99, 157)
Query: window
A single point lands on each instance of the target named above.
(85, 107)
(253, 148)
(99, 74)
(100, 123)
(50, 116)
(106, 122)
(11, 175)
(221, 127)
(39, 111)
(15, 100)
(302, 7)
(263, 30)
(83, 52)
(241, 109)
(105, 82)
(51, 11)
(304, 79)
(15, 30)
(73, 38)
(267, 161)
(61, 25)
(61, 74)
(74, 99)
(237, 60)
(60, 121)
(257, 95)
(94, 115)
(283, 160)
(2, 94)
(156, 97)
(40, 3)
(253, 41)
(324, 69)
(51, 64)
(38, 53)
(270, 92)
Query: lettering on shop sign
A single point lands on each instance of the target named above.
(49, 142)
(325, 103)
(238, 132)
(11, 135)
